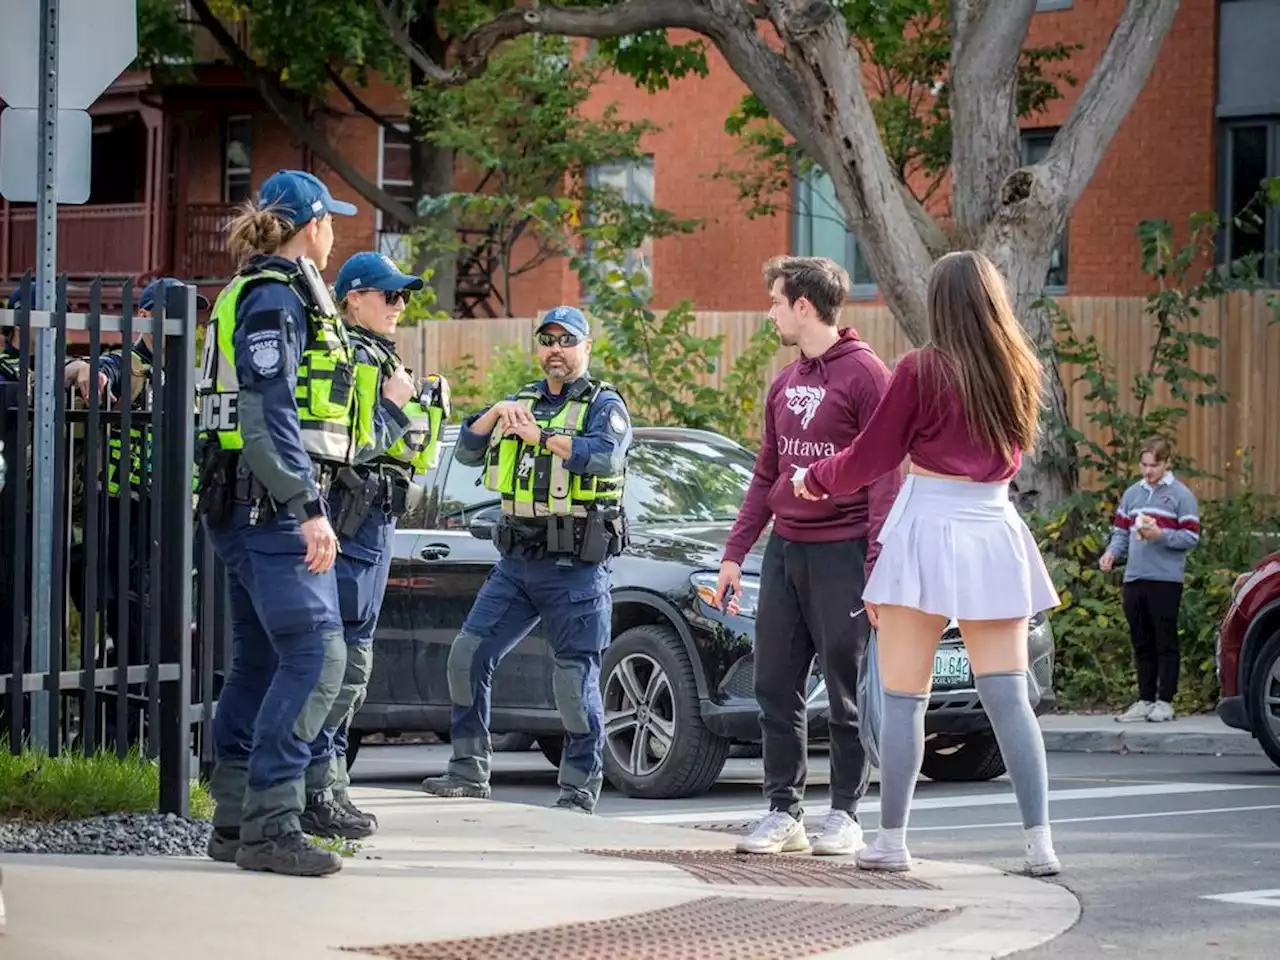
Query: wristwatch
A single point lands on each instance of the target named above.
(544, 435)
(312, 509)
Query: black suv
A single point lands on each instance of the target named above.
(677, 680)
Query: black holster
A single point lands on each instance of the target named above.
(604, 534)
(358, 496)
(216, 482)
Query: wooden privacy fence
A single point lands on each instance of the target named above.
(1246, 362)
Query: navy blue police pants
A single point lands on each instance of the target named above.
(572, 600)
(363, 564)
(287, 663)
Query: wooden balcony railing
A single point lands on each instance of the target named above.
(200, 242)
(102, 240)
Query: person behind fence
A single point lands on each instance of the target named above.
(964, 408)
(1157, 522)
(277, 395)
(555, 454)
(405, 429)
(117, 480)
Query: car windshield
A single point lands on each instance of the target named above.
(686, 480)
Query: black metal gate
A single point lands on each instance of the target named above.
(123, 637)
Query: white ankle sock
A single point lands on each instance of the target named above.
(1039, 840)
(891, 840)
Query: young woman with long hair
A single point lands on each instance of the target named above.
(964, 408)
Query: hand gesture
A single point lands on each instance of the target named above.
(511, 416)
(398, 388)
(1107, 562)
(77, 373)
(322, 545)
(798, 487)
(730, 579)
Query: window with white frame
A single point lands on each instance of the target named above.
(819, 229)
(395, 178)
(633, 180)
(1035, 145)
(237, 160)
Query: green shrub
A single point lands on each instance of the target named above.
(71, 786)
(1094, 665)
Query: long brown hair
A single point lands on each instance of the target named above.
(979, 346)
(256, 231)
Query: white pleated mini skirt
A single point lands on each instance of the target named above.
(959, 549)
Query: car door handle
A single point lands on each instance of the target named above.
(434, 551)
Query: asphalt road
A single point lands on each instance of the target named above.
(1146, 841)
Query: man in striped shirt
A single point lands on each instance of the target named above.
(1157, 522)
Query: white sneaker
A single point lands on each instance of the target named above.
(1160, 713)
(777, 832)
(840, 834)
(1136, 713)
(888, 852)
(1041, 860)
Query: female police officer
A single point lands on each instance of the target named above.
(277, 405)
(397, 437)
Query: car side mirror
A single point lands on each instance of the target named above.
(482, 525)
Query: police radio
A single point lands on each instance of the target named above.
(316, 288)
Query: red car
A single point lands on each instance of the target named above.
(1249, 656)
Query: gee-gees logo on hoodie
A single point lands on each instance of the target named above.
(804, 401)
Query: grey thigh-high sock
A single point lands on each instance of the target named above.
(901, 753)
(1004, 697)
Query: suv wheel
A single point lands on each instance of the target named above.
(1264, 698)
(977, 758)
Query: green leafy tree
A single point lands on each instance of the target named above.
(804, 61)
(1094, 663)
(520, 131)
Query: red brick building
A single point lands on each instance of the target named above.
(170, 161)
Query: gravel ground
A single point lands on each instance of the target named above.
(126, 834)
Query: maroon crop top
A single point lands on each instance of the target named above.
(930, 430)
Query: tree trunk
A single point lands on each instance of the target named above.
(432, 166)
(1049, 472)
(433, 176)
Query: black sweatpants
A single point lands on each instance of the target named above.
(1151, 607)
(807, 593)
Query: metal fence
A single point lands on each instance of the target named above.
(125, 653)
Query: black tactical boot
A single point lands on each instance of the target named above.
(455, 787)
(344, 802)
(291, 854)
(577, 803)
(323, 817)
(223, 844)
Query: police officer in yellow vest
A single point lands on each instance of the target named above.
(278, 403)
(555, 453)
(405, 427)
(132, 481)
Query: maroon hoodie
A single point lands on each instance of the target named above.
(815, 408)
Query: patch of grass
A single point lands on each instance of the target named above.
(71, 786)
(339, 845)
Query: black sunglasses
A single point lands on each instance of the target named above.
(396, 296)
(559, 339)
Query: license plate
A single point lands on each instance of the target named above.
(951, 668)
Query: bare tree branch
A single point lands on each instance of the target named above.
(389, 128)
(1107, 97)
(289, 112)
(890, 225)
(399, 31)
(986, 42)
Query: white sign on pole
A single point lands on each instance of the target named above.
(19, 129)
(96, 40)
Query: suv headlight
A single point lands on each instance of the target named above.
(742, 605)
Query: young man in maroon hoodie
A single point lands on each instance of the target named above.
(818, 556)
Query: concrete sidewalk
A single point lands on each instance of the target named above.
(530, 883)
(1196, 735)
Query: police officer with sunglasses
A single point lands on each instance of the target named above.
(554, 454)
